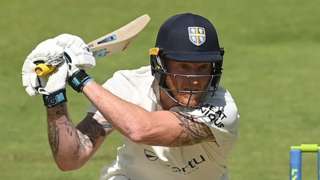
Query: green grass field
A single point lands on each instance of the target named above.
(271, 67)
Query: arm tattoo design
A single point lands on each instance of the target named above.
(64, 137)
(193, 132)
(53, 133)
(56, 113)
(92, 129)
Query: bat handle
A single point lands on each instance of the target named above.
(44, 70)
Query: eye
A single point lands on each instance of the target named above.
(205, 68)
(184, 66)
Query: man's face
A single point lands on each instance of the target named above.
(181, 81)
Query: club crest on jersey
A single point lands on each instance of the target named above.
(197, 35)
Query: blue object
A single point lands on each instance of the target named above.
(296, 159)
(296, 164)
(318, 164)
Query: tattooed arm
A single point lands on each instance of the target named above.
(174, 129)
(192, 132)
(73, 146)
(160, 128)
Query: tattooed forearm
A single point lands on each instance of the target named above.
(84, 140)
(53, 133)
(92, 129)
(193, 132)
(57, 111)
(55, 114)
(72, 146)
(61, 132)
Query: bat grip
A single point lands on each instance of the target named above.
(44, 70)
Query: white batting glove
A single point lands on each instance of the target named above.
(47, 52)
(78, 49)
(55, 81)
(78, 58)
(77, 78)
(52, 52)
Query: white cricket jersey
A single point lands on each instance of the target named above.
(203, 161)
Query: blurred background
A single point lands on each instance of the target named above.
(271, 67)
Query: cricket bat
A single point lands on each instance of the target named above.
(108, 44)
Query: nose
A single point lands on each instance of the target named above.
(195, 82)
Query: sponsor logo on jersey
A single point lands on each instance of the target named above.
(190, 165)
(214, 114)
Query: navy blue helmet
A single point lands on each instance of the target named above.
(187, 38)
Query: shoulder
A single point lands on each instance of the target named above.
(128, 84)
(223, 99)
(221, 96)
(130, 76)
(220, 109)
(220, 113)
(141, 72)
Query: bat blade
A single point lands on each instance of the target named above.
(108, 44)
(119, 39)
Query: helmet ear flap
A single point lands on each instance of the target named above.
(157, 66)
(154, 60)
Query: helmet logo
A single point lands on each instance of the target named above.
(197, 35)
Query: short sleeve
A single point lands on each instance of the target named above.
(117, 85)
(222, 120)
(221, 115)
(127, 85)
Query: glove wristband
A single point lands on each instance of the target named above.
(55, 98)
(78, 80)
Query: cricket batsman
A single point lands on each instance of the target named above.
(177, 122)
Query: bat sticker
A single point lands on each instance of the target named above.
(108, 39)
